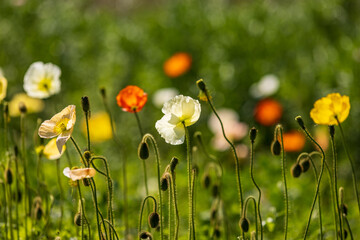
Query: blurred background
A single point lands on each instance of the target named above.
(264, 62)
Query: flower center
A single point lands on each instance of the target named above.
(45, 84)
(61, 126)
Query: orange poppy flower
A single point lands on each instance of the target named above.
(177, 64)
(131, 99)
(294, 141)
(268, 112)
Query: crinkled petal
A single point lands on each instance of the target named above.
(61, 140)
(66, 172)
(81, 173)
(46, 129)
(51, 151)
(173, 134)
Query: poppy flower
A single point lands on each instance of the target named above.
(179, 111)
(328, 108)
(3, 87)
(131, 99)
(102, 128)
(42, 80)
(51, 151)
(177, 64)
(32, 105)
(79, 173)
(268, 112)
(61, 125)
(294, 141)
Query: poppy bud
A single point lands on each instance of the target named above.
(217, 232)
(300, 122)
(87, 155)
(215, 190)
(213, 214)
(38, 212)
(206, 180)
(22, 108)
(332, 131)
(86, 182)
(305, 165)
(77, 219)
(8, 176)
(85, 104)
(276, 147)
(252, 134)
(154, 219)
(296, 170)
(244, 224)
(143, 151)
(164, 184)
(174, 161)
(201, 85)
(145, 235)
(17, 196)
(344, 209)
(103, 92)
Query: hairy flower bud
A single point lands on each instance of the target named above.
(164, 184)
(206, 180)
(300, 122)
(276, 147)
(244, 224)
(252, 134)
(143, 150)
(296, 170)
(8, 176)
(77, 219)
(305, 165)
(174, 161)
(85, 103)
(201, 85)
(154, 219)
(145, 235)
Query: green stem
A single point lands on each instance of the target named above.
(193, 201)
(189, 169)
(93, 189)
(170, 206)
(142, 210)
(61, 193)
(286, 197)
(112, 227)
(351, 163)
(79, 151)
(87, 130)
(157, 155)
(237, 163)
(83, 216)
(26, 195)
(17, 196)
(319, 180)
(177, 218)
(348, 226)
(258, 188)
(5, 216)
(139, 123)
(255, 210)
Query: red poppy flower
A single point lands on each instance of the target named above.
(131, 99)
(268, 112)
(177, 64)
(294, 141)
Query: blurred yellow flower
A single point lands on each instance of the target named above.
(51, 151)
(100, 128)
(3, 87)
(61, 125)
(32, 105)
(328, 108)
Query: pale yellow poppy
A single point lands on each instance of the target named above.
(32, 105)
(51, 151)
(100, 128)
(3, 87)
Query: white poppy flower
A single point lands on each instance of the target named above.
(61, 125)
(42, 80)
(267, 86)
(179, 111)
(79, 173)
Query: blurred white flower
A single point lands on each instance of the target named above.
(42, 80)
(234, 129)
(179, 111)
(268, 85)
(80, 173)
(163, 95)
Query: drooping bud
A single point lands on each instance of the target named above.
(145, 235)
(206, 180)
(215, 190)
(154, 219)
(252, 134)
(77, 219)
(332, 131)
(276, 147)
(300, 122)
(22, 108)
(305, 165)
(143, 150)
(164, 184)
(344, 209)
(38, 213)
(174, 161)
(87, 155)
(85, 103)
(8, 176)
(296, 170)
(217, 232)
(244, 224)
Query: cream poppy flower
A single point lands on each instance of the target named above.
(60, 125)
(179, 111)
(51, 151)
(42, 80)
(79, 173)
(3, 87)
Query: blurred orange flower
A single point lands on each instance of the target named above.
(131, 99)
(294, 141)
(268, 112)
(177, 64)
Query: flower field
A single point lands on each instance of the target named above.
(179, 119)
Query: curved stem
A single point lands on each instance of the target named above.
(286, 197)
(79, 151)
(112, 227)
(258, 188)
(142, 209)
(83, 216)
(93, 189)
(255, 210)
(157, 156)
(351, 163)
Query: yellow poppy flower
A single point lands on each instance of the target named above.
(51, 151)
(3, 87)
(100, 128)
(32, 105)
(328, 108)
(61, 125)
(79, 173)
